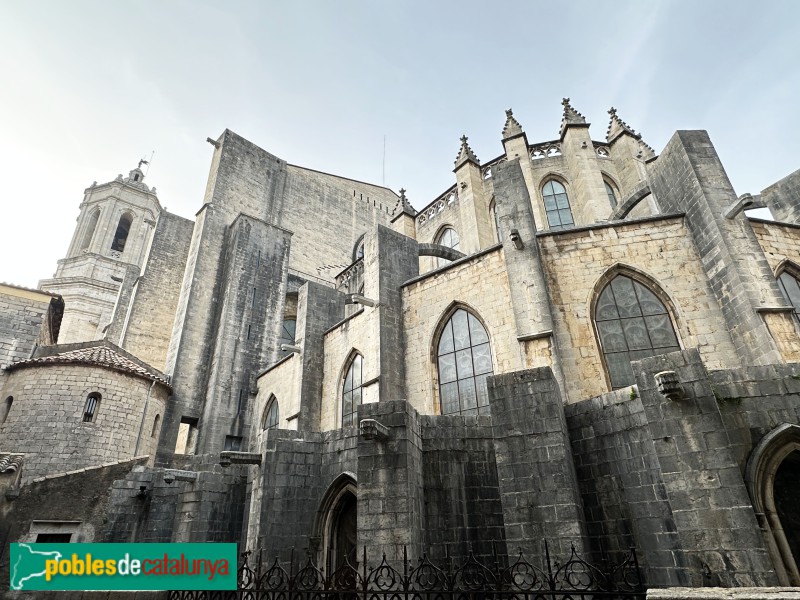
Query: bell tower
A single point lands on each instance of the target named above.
(109, 245)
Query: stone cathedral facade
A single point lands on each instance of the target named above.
(581, 341)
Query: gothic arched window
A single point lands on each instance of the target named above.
(121, 234)
(156, 426)
(464, 359)
(556, 205)
(359, 251)
(612, 197)
(271, 414)
(351, 390)
(448, 238)
(632, 324)
(790, 288)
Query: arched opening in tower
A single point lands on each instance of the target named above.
(121, 235)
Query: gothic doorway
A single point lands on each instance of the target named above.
(773, 480)
(335, 534)
(787, 499)
(342, 541)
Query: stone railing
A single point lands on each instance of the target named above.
(438, 205)
(352, 278)
(545, 150)
(602, 150)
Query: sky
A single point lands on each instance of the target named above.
(371, 90)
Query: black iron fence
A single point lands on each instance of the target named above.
(574, 579)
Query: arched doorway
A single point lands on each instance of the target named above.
(773, 480)
(787, 500)
(336, 525)
(343, 537)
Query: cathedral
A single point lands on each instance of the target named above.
(579, 341)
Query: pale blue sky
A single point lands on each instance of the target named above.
(89, 87)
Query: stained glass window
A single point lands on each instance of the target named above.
(556, 205)
(633, 324)
(351, 391)
(465, 361)
(271, 415)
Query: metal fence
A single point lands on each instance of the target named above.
(574, 579)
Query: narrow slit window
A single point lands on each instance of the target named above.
(351, 391)
(91, 407)
(271, 415)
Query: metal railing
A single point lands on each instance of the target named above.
(574, 579)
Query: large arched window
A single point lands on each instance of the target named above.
(121, 235)
(91, 225)
(790, 288)
(271, 414)
(351, 390)
(556, 204)
(464, 359)
(449, 238)
(632, 324)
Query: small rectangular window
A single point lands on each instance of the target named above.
(233, 442)
(53, 538)
(187, 436)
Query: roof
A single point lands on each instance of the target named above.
(27, 289)
(10, 463)
(101, 356)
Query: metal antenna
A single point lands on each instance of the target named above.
(146, 162)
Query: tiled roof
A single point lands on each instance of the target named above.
(28, 289)
(10, 463)
(102, 356)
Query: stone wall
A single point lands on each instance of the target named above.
(82, 506)
(25, 322)
(463, 511)
(662, 252)
(779, 241)
(429, 298)
(781, 198)
(150, 316)
(46, 419)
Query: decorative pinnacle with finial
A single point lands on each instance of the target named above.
(509, 113)
(565, 101)
(402, 193)
(464, 139)
(612, 111)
